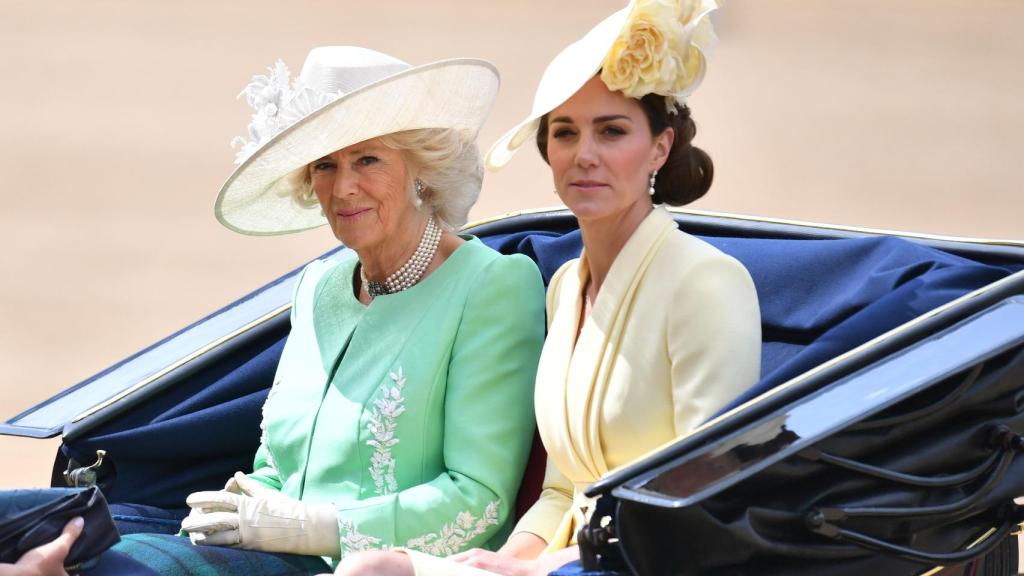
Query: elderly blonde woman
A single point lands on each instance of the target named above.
(401, 412)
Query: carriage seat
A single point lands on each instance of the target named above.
(818, 298)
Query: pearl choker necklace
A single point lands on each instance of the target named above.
(410, 273)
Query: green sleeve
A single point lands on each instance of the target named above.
(488, 426)
(264, 470)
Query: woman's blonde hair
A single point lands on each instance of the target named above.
(448, 165)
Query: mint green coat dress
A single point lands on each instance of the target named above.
(413, 415)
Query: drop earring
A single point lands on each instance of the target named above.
(420, 187)
(650, 189)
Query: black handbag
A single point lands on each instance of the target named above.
(881, 471)
(31, 518)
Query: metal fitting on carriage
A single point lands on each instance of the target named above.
(1001, 435)
(824, 521)
(85, 476)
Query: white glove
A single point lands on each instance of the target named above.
(276, 524)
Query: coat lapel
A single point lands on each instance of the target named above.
(557, 414)
(597, 350)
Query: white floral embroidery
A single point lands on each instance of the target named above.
(353, 540)
(456, 535)
(382, 424)
(452, 537)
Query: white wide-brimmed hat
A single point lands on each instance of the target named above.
(344, 95)
(686, 37)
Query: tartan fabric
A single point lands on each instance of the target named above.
(112, 563)
(174, 555)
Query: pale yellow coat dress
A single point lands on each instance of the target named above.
(674, 335)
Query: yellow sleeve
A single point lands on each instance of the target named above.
(714, 340)
(544, 517)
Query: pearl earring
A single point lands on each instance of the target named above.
(650, 189)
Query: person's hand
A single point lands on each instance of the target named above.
(497, 563)
(276, 524)
(242, 484)
(48, 559)
(504, 563)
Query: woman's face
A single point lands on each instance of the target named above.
(602, 153)
(363, 190)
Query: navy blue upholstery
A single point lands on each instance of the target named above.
(191, 437)
(819, 298)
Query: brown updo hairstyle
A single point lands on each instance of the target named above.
(688, 171)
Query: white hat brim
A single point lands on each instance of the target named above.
(258, 197)
(573, 67)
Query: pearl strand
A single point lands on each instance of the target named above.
(412, 271)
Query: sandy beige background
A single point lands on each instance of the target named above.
(115, 119)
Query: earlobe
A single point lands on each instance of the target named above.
(663, 146)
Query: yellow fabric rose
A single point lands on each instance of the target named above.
(661, 49)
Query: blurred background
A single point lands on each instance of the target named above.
(116, 118)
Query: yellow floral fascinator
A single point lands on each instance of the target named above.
(648, 47)
(661, 50)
